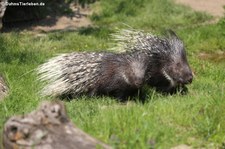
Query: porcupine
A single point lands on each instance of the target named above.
(117, 75)
(167, 67)
(159, 62)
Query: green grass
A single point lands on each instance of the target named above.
(145, 14)
(196, 119)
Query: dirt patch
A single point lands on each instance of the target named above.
(182, 146)
(216, 57)
(78, 19)
(213, 7)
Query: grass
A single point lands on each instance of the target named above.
(196, 119)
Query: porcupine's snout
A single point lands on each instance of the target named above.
(139, 82)
(188, 79)
(178, 73)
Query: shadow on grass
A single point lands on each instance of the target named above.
(147, 95)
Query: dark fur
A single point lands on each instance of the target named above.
(162, 64)
(110, 82)
(175, 64)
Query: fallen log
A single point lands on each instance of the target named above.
(47, 128)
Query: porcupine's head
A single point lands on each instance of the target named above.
(174, 71)
(168, 68)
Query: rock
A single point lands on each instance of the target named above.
(3, 88)
(47, 128)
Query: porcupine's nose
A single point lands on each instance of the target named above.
(187, 79)
(139, 82)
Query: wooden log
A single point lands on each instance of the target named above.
(47, 128)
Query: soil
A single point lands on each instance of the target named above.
(77, 20)
(216, 57)
(212, 7)
(80, 16)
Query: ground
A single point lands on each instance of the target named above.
(212, 7)
(79, 19)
